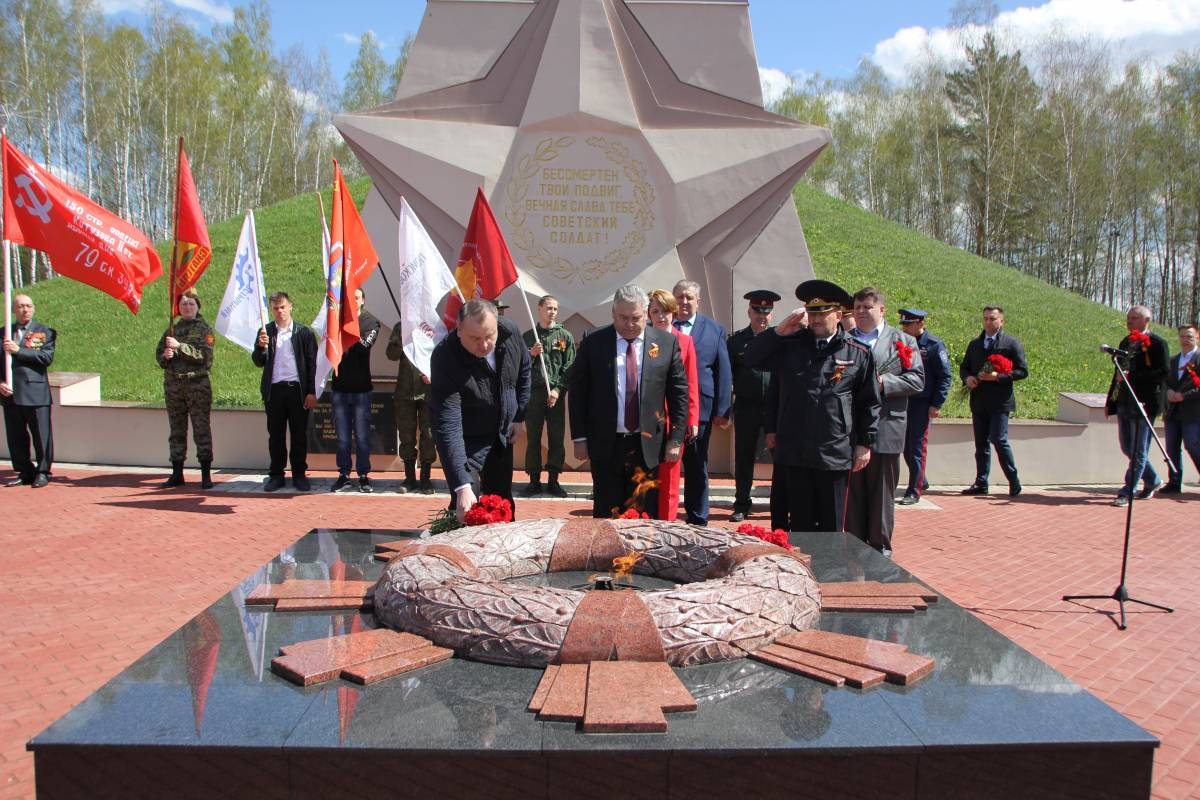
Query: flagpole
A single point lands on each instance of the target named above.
(174, 243)
(529, 310)
(7, 262)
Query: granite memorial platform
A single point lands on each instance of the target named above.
(203, 715)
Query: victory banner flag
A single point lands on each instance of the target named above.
(192, 251)
(424, 281)
(353, 257)
(485, 267)
(244, 306)
(83, 240)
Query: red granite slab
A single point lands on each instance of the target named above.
(740, 554)
(631, 697)
(325, 604)
(877, 589)
(267, 593)
(611, 626)
(390, 666)
(856, 676)
(882, 605)
(543, 688)
(567, 697)
(585, 544)
(900, 666)
(792, 665)
(408, 547)
(324, 659)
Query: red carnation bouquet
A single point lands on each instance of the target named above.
(996, 364)
(1141, 341)
(487, 510)
(1193, 373)
(777, 537)
(633, 513)
(903, 355)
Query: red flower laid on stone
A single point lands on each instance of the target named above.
(632, 513)
(776, 537)
(489, 509)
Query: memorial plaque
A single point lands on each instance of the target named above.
(322, 436)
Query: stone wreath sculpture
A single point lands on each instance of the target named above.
(737, 593)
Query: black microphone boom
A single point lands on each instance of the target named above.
(1113, 351)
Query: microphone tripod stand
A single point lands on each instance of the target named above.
(1121, 594)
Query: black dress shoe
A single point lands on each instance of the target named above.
(1170, 488)
(273, 484)
(301, 483)
(1014, 488)
(908, 500)
(532, 490)
(39, 481)
(976, 488)
(555, 489)
(737, 516)
(925, 486)
(19, 482)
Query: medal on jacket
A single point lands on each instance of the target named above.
(839, 368)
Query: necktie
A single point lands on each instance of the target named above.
(987, 343)
(631, 388)
(821, 345)
(678, 325)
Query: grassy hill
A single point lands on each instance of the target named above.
(1061, 331)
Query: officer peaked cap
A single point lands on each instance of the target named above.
(912, 315)
(762, 296)
(822, 296)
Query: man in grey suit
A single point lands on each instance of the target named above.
(870, 502)
(624, 376)
(26, 395)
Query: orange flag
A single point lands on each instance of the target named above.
(84, 241)
(485, 267)
(352, 259)
(192, 251)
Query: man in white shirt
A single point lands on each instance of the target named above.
(1182, 417)
(286, 351)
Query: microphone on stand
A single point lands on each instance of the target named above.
(1114, 351)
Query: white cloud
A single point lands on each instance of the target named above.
(1156, 29)
(216, 12)
(349, 38)
(774, 83)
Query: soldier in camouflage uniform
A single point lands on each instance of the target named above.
(185, 353)
(553, 345)
(412, 416)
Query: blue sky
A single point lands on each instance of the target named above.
(792, 37)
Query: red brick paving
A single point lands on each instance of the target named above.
(177, 552)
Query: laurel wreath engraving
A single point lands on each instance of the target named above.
(538, 255)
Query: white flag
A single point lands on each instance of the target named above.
(424, 281)
(318, 326)
(244, 306)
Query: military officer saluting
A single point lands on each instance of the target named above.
(749, 397)
(185, 353)
(827, 414)
(926, 406)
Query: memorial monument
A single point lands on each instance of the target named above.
(618, 141)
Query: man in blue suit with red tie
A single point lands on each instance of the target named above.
(716, 389)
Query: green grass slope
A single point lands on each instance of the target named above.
(1061, 331)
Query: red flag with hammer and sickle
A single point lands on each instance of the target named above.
(84, 241)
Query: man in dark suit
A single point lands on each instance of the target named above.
(1146, 366)
(26, 395)
(992, 399)
(870, 502)
(286, 352)
(478, 395)
(1182, 417)
(824, 405)
(716, 388)
(624, 376)
(926, 406)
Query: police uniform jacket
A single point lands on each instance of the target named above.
(1187, 410)
(194, 357)
(558, 353)
(35, 351)
(938, 373)
(410, 385)
(992, 396)
(1147, 368)
(828, 400)
(749, 384)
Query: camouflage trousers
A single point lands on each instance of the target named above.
(189, 397)
(412, 424)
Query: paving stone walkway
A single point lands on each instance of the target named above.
(100, 566)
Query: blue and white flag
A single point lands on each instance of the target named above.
(424, 281)
(244, 307)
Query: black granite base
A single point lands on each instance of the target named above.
(202, 715)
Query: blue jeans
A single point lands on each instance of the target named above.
(1134, 435)
(356, 406)
(1182, 435)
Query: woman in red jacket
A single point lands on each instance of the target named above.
(662, 311)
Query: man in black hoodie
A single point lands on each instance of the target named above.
(352, 387)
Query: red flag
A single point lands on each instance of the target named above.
(83, 240)
(352, 259)
(485, 267)
(192, 250)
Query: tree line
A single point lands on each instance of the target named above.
(1054, 161)
(103, 103)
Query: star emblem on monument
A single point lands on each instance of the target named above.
(618, 142)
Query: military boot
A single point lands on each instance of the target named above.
(410, 477)
(426, 483)
(176, 478)
(206, 481)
